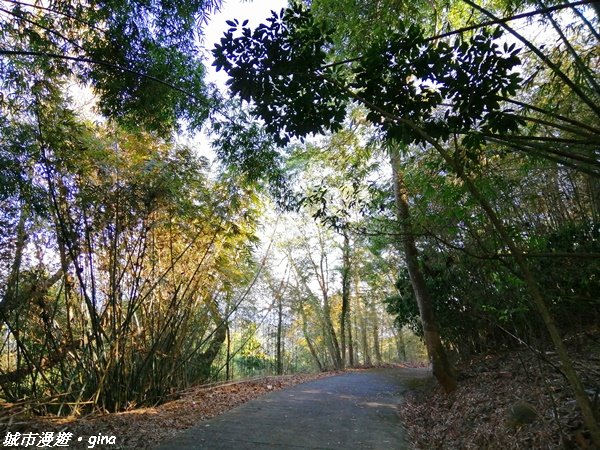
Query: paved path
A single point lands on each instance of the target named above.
(356, 410)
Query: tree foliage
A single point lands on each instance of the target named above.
(115, 287)
(400, 75)
(279, 67)
(139, 57)
(456, 96)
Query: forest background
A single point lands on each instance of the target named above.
(414, 173)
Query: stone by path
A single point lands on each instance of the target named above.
(352, 411)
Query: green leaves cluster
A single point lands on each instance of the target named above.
(140, 57)
(410, 85)
(472, 291)
(443, 88)
(279, 67)
(248, 152)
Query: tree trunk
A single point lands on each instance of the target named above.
(400, 345)
(322, 306)
(311, 347)
(365, 342)
(351, 336)
(279, 356)
(442, 370)
(375, 331)
(345, 295)
(364, 336)
(228, 366)
(206, 358)
(322, 276)
(334, 347)
(11, 292)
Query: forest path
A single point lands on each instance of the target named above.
(355, 410)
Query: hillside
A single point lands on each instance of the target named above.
(490, 409)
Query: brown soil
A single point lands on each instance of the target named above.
(478, 415)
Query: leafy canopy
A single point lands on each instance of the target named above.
(280, 68)
(141, 58)
(412, 86)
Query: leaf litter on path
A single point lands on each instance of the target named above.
(145, 428)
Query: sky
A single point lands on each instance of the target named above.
(255, 11)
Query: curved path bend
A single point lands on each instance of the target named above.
(352, 411)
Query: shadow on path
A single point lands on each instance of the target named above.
(356, 410)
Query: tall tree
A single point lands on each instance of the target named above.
(442, 369)
(309, 259)
(419, 91)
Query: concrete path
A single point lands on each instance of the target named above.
(356, 410)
